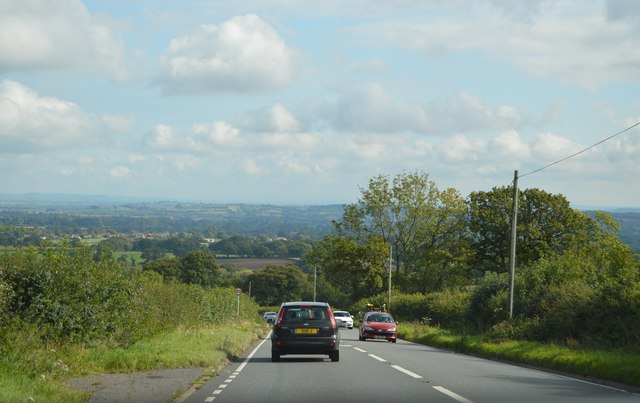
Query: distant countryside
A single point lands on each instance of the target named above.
(85, 272)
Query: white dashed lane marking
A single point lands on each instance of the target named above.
(440, 389)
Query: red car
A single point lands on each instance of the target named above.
(378, 325)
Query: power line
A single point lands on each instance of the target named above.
(581, 151)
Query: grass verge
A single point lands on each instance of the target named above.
(40, 373)
(616, 366)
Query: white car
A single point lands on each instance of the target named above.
(343, 319)
(270, 317)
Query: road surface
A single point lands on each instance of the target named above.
(378, 371)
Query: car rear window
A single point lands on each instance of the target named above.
(379, 318)
(305, 313)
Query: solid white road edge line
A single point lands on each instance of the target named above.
(452, 394)
(246, 360)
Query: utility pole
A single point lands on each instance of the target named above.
(512, 259)
(390, 260)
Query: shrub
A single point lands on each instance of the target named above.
(69, 297)
(488, 301)
(449, 308)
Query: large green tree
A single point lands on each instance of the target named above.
(279, 283)
(358, 269)
(546, 224)
(197, 267)
(440, 257)
(396, 210)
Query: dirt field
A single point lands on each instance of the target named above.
(255, 264)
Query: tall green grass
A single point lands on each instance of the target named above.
(613, 365)
(40, 374)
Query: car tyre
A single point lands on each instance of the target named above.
(335, 356)
(275, 356)
(393, 341)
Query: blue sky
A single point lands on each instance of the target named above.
(302, 102)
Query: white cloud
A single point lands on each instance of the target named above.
(243, 54)
(252, 168)
(118, 123)
(135, 158)
(370, 108)
(218, 134)
(59, 34)
(461, 148)
(29, 122)
(509, 144)
(584, 44)
(119, 172)
(548, 146)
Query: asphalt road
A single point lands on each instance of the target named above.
(378, 371)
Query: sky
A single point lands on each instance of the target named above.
(303, 102)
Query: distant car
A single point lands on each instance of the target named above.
(270, 317)
(305, 328)
(344, 319)
(378, 325)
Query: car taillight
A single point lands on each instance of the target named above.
(279, 319)
(332, 319)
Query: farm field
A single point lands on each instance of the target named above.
(254, 264)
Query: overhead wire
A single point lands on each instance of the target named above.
(581, 151)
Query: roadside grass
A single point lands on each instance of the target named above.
(41, 373)
(617, 366)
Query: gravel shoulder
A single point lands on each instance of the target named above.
(163, 385)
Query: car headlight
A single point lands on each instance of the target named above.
(393, 329)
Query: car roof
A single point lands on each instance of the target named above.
(308, 303)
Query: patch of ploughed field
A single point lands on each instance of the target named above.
(254, 264)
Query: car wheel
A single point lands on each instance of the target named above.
(335, 356)
(275, 356)
(393, 341)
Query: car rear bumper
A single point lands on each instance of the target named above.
(379, 335)
(307, 346)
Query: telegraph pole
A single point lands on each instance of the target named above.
(512, 260)
(390, 260)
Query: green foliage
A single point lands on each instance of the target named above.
(591, 295)
(425, 226)
(355, 269)
(279, 283)
(199, 267)
(546, 224)
(196, 267)
(69, 297)
(488, 301)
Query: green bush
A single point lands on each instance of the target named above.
(71, 297)
(488, 301)
(449, 308)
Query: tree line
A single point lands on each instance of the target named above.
(449, 256)
(575, 279)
